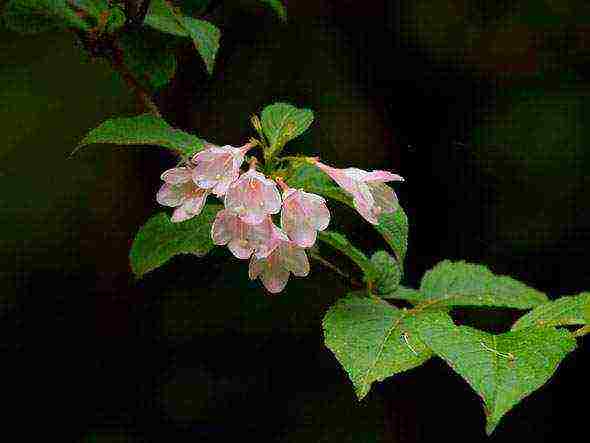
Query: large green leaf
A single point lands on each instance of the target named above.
(464, 284)
(341, 243)
(152, 63)
(159, 239)
(404, 293)
(33, 16)
(205, 35)
(387, 273)
(502, 369)
(278, 7)
(144, 129)
(563, 311)
(282, 122)
(373, 340)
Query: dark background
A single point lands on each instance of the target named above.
(482, 106)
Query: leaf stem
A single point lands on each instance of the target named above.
(582, 331)
(334, 268)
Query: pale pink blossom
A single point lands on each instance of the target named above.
(253, 197)
(180, 192)
(216, 167)
(274, 270)
(244, 239)
(371, 196)
(302, 215)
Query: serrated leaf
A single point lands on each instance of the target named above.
(159, 239)
(282, 122)
(152, 63)
(502, 369)
(341, 243)
(205, 35)
(464, 284)
(394, 229)
(34, 16)
(144, 129)
(278, 7)
(404, 293)
(206, 38)
(563, 311)
(387, 273)
(373, 340)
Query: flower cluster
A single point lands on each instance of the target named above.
(246, 226)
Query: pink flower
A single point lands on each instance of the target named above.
(371, 196)
(244, 239)
(253, 197)
(274, 270)
(217, 166)
(302, 215)
(180, 192)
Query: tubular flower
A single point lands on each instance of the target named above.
(216, 167)
(371, 196)
(274, 270)
(244, 239)
(180, 192)
(253, 197)
(302, 215)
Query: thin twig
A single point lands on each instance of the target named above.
(335, 268)
(582, 331)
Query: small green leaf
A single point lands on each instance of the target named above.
(159, 239)
(502, 369)
(282, 122)
(464, 284)
(394, 229)
(373, 340)
(34, 16)
(278, 7)
(341, 243)
(387, 271)
(563, 311)
(152, 62)
(116, 20)
(144, 129)
(205, 35)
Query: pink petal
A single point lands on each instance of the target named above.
(271, 197)
(223, 229)
(366, 211)
(317, 210)
(275, 279)
(382, 176)
(256, 267)
(170, 195)
(272, 238)
(223, 185)
(180, 214)
(294, 259)
(240, 248)
(176, 176)
(194, 205)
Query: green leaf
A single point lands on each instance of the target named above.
(373, 340)
(115, 21)
(341, 243)
(387, 273)
(34, 16)
(464, 284)
(394, 229)
(144, 129)
(404, 293)
(278, 7)
(502, 369)
(206, 38)
(563, 311)
(205, 35)
(152, 62)
(282, 122)
(159, 239)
